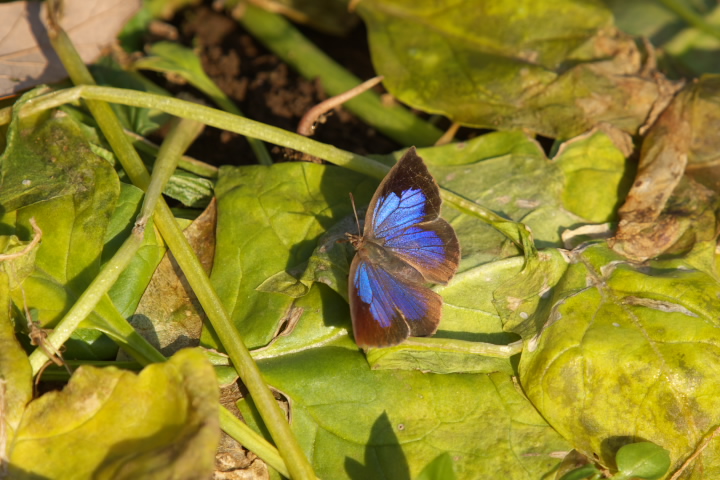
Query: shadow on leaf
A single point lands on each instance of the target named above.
(383, 454)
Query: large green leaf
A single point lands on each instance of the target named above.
(69, 257)
(269, 220)
(278, 252)
(362, 424)
(108, 423)
(629, 353)
(554, 67)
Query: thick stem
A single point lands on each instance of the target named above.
(270, 411)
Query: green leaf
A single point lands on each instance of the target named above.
(358, 423)
(581, 473)
(73, 218)
(328, 264)
(109, 423)
(439, 469)
(523, 300)
(169, 57)
(30, 171)
(642, 460)
(633, 349)
(556, 68)
(269, 220)
(190, 189)
(316, 319)
(597, 177)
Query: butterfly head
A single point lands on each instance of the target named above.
(357, 241)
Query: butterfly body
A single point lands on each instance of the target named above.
(405, 245)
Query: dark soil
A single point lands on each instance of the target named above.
(268, 90)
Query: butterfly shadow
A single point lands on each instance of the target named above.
(384, 457)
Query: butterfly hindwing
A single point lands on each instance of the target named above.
(387, 309)
(432, 248)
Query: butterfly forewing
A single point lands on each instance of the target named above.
(403, 217)
(410, 181)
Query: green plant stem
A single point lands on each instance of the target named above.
(208, 116)
(270, 411)
(252, 441)
(513, 230)
(691, 17)
(182, 133)
(187, 163)
(464, 346)
(247, 127)
(279, 35)
(89, 298)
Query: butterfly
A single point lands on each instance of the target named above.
(404, 246)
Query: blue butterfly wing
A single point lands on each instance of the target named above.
(404, 218)
(387, 308)
(405, 245)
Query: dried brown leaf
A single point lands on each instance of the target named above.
(26, 56)
(666, 211)
(169, 315)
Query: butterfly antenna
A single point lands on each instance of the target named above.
(357, 220)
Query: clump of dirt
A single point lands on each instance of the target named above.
(268, 90)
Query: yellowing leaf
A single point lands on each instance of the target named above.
(629, 353)
(16, 384)
(110, 423)
(554, 67)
